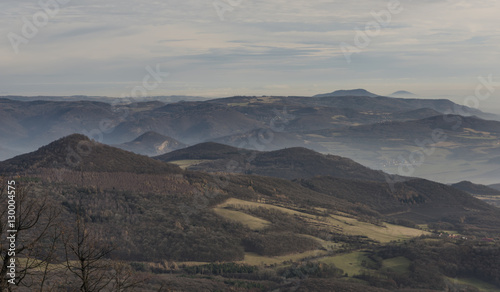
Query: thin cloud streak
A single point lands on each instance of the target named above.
(287, 48)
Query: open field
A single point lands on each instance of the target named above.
(481, 285)
(399, 265)
(347, 225)
(234, 209)
(252, 222)
(350, 263)
(258, 260)
(386, 233)
(238, 104)
(241, 204)
(327, 245)
(186, 163)
(493, 200)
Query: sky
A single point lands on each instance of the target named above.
(219, 48)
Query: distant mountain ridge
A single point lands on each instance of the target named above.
(415, 128)
(289, 163)
(402, 93)
(352, 92)
(40, 122)
(476, 189)
(286, 121)
(107, 99)
(417, 114)
(206, 150)
(414, 199)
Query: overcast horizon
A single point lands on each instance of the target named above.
(240, 47)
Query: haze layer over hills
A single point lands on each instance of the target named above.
(435, 139)
(257, 183)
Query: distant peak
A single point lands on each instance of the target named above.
(402, 93)
(150, 135)
(296, 150)
(464, 182)
(213, 146)
(351, 92)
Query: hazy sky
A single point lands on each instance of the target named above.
(260, 47)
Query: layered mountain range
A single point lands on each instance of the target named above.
(341, 180)
(250, 210)
(385, 133)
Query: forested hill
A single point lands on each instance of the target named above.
(78, 152)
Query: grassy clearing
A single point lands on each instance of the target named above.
(252, 222)
(187, 163)
(383, 234)
(350, 263)
(450, 232)
(241, 204)
(238, 104)
(265, 99)
(328, 245)
(258, 260)
(423, 227)
(315, 136)
(23, 262)
(346, 225)
(339, 117)
(493, 200)
(482, 286)
(399, 265)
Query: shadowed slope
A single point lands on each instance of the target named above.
(78, 152)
